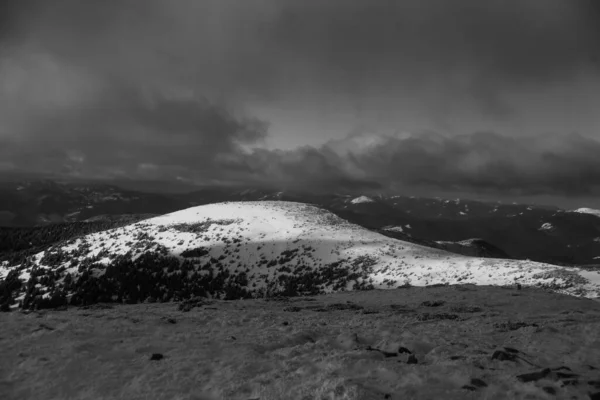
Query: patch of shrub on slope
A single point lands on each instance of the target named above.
(155, 276)
(18, 243)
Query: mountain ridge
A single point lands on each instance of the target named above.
(254, 249)
(512, 228)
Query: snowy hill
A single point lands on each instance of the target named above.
(361, 200)
(514, 228)
(586, 210)
(250, 249)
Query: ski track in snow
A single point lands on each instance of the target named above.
(246, 233)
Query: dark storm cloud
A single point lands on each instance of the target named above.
(518, 40)
(477, 49)
(266, 47)
(562, 165)
(158, 88)
(133, 132)
(119, 88)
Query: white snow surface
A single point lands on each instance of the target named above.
(362, 199)
(585, 210)
(466, 242)
(393, 229)
(245, 234)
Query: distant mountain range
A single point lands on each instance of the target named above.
(484, 229)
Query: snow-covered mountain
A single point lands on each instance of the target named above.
(248, 249)
(586, 210)
(512, 228)
(361, 200)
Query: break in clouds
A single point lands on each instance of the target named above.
(161, 89)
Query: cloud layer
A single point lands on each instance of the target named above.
(486, 163)
(161, 89)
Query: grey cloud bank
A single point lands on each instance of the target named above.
(565, 165)
(162, 89)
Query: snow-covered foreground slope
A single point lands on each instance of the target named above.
(250, 249)
(470, 343)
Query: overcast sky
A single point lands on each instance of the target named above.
(489, 98)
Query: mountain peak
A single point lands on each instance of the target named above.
(362, 199)
(585, 210)
(249, 249)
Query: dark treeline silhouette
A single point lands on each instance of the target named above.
(159, 277)
(18, 243)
